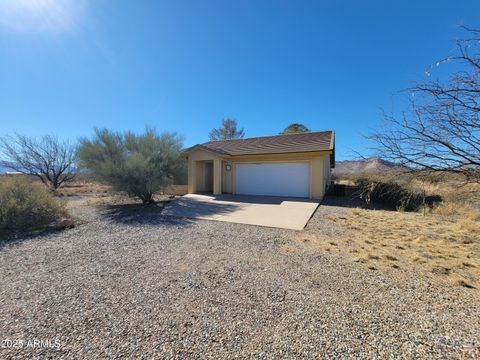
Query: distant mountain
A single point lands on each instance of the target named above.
(4, 169)
(371, 165)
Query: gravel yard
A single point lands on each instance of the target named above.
(131, 283)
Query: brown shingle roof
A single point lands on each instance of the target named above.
(292, 143)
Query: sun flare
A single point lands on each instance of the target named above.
(40, 15)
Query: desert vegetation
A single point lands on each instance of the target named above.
(440, 130)
(434, 193)
(394, 194)
(227, 131)
(47, 158)
(295, 128)
(27, 205)
(434, 183)
(402, 221)
(446, 247)
(138, 165)
(48, 170)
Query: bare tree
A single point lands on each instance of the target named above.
(440, 131)
(48, 158)
(227, 131)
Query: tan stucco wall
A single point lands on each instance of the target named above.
(196, 170)
(199, 176)
(204, 176)
(227, 177)
(224, 181)
(317, 177)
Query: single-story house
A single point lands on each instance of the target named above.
(294, 165)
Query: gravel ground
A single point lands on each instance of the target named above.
(131, 283)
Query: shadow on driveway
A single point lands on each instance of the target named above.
(191, 207)
(140, 214)
(257, 199)
(277, 212)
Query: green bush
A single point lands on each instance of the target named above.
(26, 205)
(139, 165)
(181, 174)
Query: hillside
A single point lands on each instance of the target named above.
(371, 165)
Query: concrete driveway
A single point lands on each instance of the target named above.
(279, 212)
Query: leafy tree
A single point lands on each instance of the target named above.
(181, 175)
(139, 165)
(227, 131)
(48, 158)
(440, 130)
(295, 129)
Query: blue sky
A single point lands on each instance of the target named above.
(67, 66)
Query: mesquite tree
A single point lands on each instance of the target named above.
(440, 130)
(48, 158)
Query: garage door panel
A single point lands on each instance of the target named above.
(274, 179)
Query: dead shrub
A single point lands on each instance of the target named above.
(394, 194)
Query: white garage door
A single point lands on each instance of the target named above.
(275, 179)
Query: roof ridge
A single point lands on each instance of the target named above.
(302, 142)
(266, 136)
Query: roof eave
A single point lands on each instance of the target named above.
(284, 152)
(204, 148)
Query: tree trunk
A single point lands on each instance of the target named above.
(147, 199)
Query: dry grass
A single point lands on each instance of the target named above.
(448, 247)
(84, 194)
(177, 190)
(289, 248)
(83, 188)
(80, 188)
